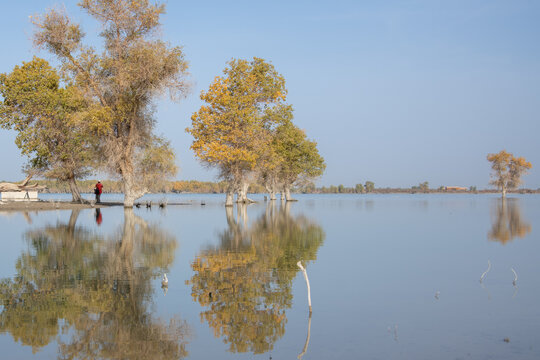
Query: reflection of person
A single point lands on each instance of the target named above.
(99, 218)
(98, 189)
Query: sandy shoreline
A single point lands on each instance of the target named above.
(51, 205)
(65, 205)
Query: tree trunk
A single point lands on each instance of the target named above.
(131, 191)
(75, 192)
(287, 191)
(271, 188)
(229, 198)
(242, 193)
(504, 192)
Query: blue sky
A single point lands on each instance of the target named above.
(396, 92)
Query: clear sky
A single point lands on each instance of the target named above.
(396, 92)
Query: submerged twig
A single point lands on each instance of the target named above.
(485, 272)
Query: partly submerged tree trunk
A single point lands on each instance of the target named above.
(287, 192)
(272, 189)
(503, 192)
(242, 193)
(229, 197)
(132, 190)
(75, 192)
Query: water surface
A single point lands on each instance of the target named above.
(392, 277)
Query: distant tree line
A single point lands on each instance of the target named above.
(209, 187)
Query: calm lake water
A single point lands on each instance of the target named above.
(392, 277)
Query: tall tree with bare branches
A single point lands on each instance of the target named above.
(132, 70)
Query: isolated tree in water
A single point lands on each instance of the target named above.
(229, 131)
(51, 121)
(507, 170)
(133, 69)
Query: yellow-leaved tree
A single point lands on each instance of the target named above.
(229, 131)
(507, 170)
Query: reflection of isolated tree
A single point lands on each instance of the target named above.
(99, 287)
(508, 223)
(245, 282)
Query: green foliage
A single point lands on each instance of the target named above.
(422, 187)
(299, 158)
(359, 188)
(48, 121)
(369, 186)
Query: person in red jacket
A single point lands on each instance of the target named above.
(98, 190)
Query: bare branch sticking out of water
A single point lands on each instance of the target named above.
(515, 276)
(485, 272)
(299, 264)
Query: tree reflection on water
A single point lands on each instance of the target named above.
(95, 291)
(245, 282)
(508, 222)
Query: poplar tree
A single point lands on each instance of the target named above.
(300, 158)
(507, 170)
(132, 70)
(51, 121)
(229, 130)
